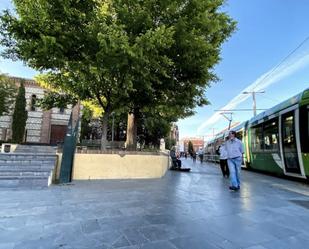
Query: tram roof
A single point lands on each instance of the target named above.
(277, 108)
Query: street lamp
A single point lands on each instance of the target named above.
(113, 123)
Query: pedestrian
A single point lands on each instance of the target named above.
(176, 162)
(235, 150)
(201, 154)
(223, 160)
(193, 155)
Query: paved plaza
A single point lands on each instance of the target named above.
(180, 211)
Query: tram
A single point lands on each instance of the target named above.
(276, 140)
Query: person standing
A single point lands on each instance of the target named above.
(193, 155)
(201, 154)
(235, 150)
(223, 161)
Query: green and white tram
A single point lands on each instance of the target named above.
(277, 140)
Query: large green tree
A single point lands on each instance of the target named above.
(7, 94)
(122, 53)
(20, 115)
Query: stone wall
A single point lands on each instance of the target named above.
(114, 166)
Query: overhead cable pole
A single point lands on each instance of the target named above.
(230, 119)
(254, 99)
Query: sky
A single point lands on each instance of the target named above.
(267, 32)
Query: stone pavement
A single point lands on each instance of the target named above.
(180, 211)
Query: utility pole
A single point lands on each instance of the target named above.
(230, 119)
(213, 132)
(254, 99)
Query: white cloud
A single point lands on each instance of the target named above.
(290, 65)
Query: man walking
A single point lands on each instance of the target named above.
(234, 148)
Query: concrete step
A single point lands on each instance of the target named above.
(39, 169)
(29, 170)
(26, 162)
(35, 149)
(25, 173)
(27, 167)
(17, 156)
(24, 181)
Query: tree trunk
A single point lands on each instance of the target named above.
(131, 142)
(104, 130)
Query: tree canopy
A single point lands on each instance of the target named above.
(20, 115)
(7, 94)
(127, 54)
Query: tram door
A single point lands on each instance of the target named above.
(289, 143)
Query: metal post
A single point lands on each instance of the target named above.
(113, 128)
(224, 114)
(254, 104)
(230, 122)
(254, 99)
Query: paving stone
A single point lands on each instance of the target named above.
(159, 244)
(122, 241)
(187, 242)
(134, 236)
(158, 232)
(90, 226)
(181, 210)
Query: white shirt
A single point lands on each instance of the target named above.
(223, 152)
(234, 148)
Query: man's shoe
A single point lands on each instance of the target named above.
(233, 188)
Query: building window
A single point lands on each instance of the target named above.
(33, 102)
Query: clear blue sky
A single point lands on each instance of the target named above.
(268, 30)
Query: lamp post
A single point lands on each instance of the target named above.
(113, 133)
(254, 99)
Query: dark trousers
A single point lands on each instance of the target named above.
(176, 163)
(224, 167)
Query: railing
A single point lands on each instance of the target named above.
(96, 144)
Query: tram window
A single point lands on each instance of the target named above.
(289, 130)
(271, 135)
(257, 138)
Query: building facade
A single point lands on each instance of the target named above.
(174, 133)
(43, 126)
(197, 143)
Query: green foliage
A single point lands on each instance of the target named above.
(169, 143)
(54, 99)
(87, 115)
(20, 115)
(190, 148)
(7, 94)
(151, 129)
(138, 55)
